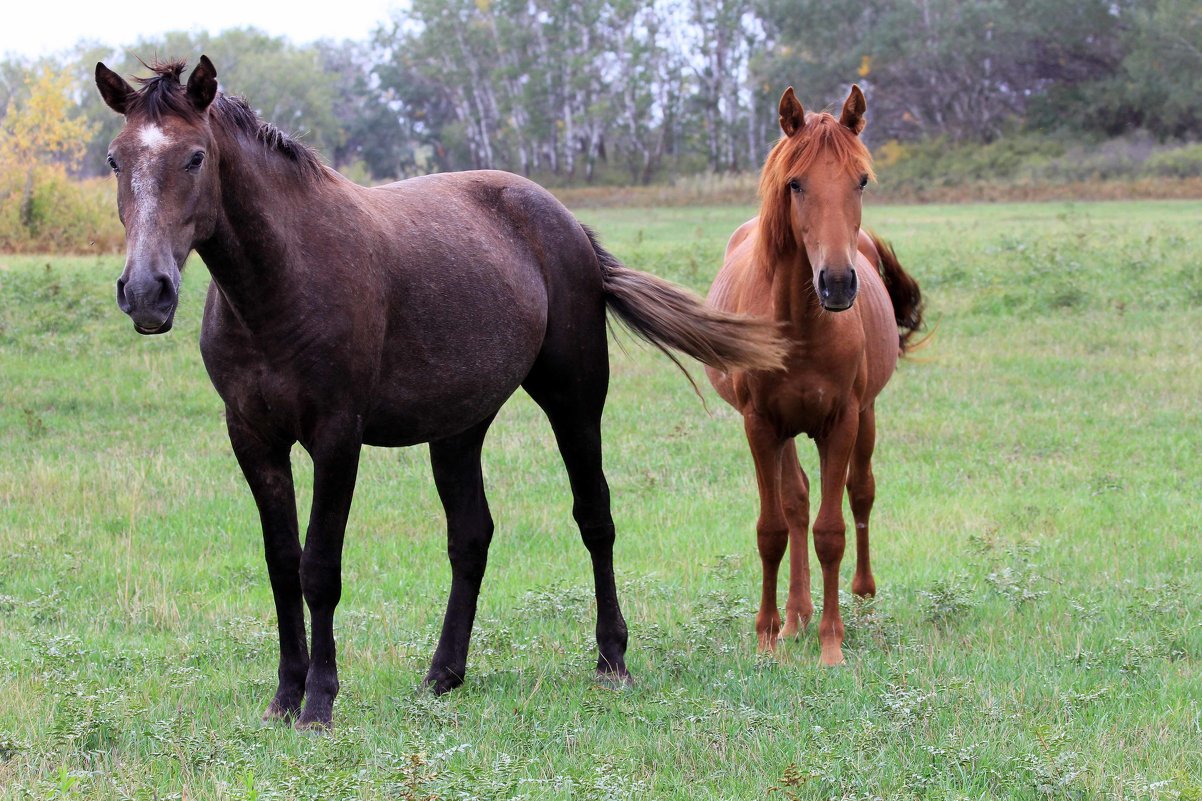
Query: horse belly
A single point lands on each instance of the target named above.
(455, 373)
(880, 332)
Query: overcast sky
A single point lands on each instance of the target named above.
(34, 28)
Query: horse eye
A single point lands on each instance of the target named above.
(863, 181)
(794, 186)
(113, 165)
(194, 163)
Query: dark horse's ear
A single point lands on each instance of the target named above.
(792, 115)
(853, 110)
(202, 84)
(113, 88)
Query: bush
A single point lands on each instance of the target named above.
(1184, 162)
(56, 214)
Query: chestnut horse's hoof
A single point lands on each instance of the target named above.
(795, 624)
(832, 656)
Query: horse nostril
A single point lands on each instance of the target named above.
(855, 281)
(166, 289)
(822, 289)
(122, 301)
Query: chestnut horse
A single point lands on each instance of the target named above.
(340, 316)
(849, 310)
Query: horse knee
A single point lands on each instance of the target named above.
(772, 542)
(829, 542)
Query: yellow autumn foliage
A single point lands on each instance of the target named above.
(41, 207)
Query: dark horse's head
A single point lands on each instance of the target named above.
(812, 188)
(165, 161)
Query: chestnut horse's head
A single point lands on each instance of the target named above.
(165, 160)
(812, 189)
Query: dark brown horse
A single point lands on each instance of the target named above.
(849, 310)
(340, 316)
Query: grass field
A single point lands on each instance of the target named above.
(1037, 633)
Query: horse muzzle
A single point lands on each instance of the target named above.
(837, 291)
(149, 301)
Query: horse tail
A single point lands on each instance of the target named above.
(903, 293)
(673, 319)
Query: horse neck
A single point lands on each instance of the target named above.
(260, 229)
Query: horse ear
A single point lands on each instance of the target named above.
(202, 84)
(113, 88)
(853, 110)
(792, 115)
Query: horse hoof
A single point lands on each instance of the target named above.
(832, 656)
(767, 643)
(794, 626)
(441, 682)
(279, 712)
(314, 728)
(316, 721)
(614, 679)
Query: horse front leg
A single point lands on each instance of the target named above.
(772, 530)
(268, 471)
(834, 450)
(335, 468)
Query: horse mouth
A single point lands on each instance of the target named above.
(831, 307)
(147, 331)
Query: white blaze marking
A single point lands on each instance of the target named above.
(153, 138)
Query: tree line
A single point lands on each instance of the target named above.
(631, 91)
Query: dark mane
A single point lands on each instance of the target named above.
(791, 157)
(235, 113)
(164, 95)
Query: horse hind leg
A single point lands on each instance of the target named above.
(460, 483)
(573, 400)
(795, 492)
(861, 492)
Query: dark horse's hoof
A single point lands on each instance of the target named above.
(315, 725)
(614, 679)
(441, 681)
(284, 708)
(317, 718)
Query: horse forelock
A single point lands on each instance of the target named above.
(791, 157)
(162, 94)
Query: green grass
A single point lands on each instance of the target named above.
(1037, 633)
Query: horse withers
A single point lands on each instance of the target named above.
(340, 316)
(848, 310)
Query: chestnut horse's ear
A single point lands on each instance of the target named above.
(202, 84)
(792, 115)
(113, 88)
(853, 110)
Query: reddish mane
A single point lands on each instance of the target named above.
(790, 158)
